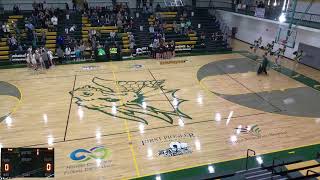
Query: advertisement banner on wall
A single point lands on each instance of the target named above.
(259, 12)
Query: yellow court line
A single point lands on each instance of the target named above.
(127, 129)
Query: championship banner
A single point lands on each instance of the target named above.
(260, 12)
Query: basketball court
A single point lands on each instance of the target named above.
(118, 120)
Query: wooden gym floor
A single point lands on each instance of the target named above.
(215, 105)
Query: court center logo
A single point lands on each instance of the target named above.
(130, 100)
(252, 130)
(83, 155)
(175, 149)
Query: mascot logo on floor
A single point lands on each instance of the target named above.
(83, 155)
(176, 149)
(130, 100)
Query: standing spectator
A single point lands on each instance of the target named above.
(16, 9)
(67, 7)
(138, 4)
(151, 3)
(74, 4)
(114, 3)
(45, 59)
(60, 54)
(68, 53)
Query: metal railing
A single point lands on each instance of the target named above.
(273, 165)
(314, 172)
(248, 156)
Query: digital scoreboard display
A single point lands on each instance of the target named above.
(27, 162)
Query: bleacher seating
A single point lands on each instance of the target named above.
(188, 42)
(184, 42)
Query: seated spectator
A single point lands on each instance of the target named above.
(182, 27)
(151, 29)
(175, 27)
(72, 28)
(54, 21)
(112, 35)
(6, 28)
(13, 44)
(188, 23)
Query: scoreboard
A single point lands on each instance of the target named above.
(27, 162)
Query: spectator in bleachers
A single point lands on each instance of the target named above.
(6, 28)
(54, 21)
(12, 42)
(202, 38)
(34, 39)
(112, 36)
(151, 3)
(182, 27)
(151, 29)
(16, 9)
(158, 8)
(138, 4)
(74, 4)
(43, 36)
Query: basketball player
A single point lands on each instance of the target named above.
(259, 41)
(297, 58)
(34, 61)
(270, 48)
(263, 66)
(277, 55)
(255, 46)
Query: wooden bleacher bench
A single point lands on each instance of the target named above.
(186, 43)
(4, 57)
(16, 17)
(168, 13)
(303, 173)
(100, 28)
(297, 166)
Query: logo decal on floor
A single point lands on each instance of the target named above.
(253, 130)
(130, 100)
(83, 155)
(176, 149)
